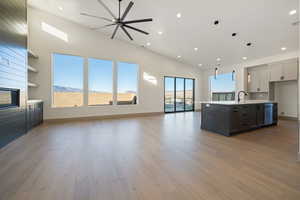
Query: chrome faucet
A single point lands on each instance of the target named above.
(239, 98)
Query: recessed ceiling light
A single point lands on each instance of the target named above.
(218, 59)
(216, 22)
(60, 8)
(200, 65)
(293, 12)
(178, 15)
(245, 58)
(283, 48)
(178, 56)
(196, 49)
(234, 34)
(148, 43)
(249, 44)
(160, 32)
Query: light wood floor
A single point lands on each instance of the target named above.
(163, 157)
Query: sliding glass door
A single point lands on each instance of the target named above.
(179, 94)
(189, 95)
(169, 94)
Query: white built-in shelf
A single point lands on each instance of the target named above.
(33, 85)
(32, 54)
(32, 69)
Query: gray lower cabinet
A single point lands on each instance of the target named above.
(230, 119)
(34, 114)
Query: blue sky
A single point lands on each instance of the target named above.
(68, 72)
(169, 84)
(127, 77)
(223, 83)
(100, 75)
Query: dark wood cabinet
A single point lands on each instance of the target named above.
(236, 118)
(34, 114)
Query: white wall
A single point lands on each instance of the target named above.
(299, 95)
(87, 43)
(286, 94)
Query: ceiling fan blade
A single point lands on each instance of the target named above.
(127, 10)
(136, 29)
(138, 21)
(104, 18)
(104, 26)
(119, 9)
(126, 33)
(107, 9)
(115, 31)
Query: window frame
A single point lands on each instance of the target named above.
(87, 77)
(85, 83)
(194, 97)
(117, 83)
(52, 81)
(210, 86)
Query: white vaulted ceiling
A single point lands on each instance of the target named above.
(265, 23)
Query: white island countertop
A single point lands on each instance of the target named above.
(34, 101)
(242, 102)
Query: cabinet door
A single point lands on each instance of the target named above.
(290, 71)
(253, 83)
(276, 72)
(260, 114)
(263, 81)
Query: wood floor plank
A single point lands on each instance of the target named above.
(164, 157)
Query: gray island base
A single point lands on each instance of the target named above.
(229, 117)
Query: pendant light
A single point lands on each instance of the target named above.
(216, 72)
(233, 75)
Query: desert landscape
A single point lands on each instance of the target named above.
(169, 100)
(75, 99)
(70, 97)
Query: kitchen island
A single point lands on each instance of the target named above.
(231, 117)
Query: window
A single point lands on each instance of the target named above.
(67, 80)
(169, 94)
(189, 94)
(100, 82)
(222, 87)
(179, 99)
(179, 94)
(106, 84)
(127, 83)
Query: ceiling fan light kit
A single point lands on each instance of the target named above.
(119, 21)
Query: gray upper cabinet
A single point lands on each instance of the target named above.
(259, 80)
(275, 72)
(290, 71)
(285, 71)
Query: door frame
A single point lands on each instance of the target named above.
(175, 77)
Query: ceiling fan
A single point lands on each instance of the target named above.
(119, 21)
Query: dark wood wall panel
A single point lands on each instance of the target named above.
(13, 66)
